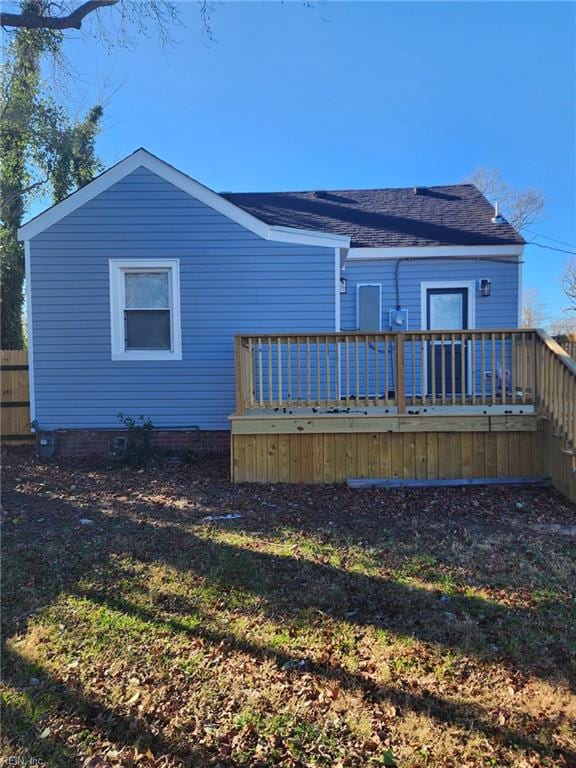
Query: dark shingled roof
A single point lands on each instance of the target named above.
(373, 218)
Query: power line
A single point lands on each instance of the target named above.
(554, 239)
(550, 248)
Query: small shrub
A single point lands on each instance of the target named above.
(138, 451)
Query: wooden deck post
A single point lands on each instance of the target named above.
(400, 384)
(239, 372)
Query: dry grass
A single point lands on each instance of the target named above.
(325, 627)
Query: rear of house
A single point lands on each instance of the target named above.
(139, 282)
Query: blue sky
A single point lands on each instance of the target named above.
(351, 94)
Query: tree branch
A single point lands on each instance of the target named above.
(14, 195)
(71, 21)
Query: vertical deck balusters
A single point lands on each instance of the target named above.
(376, 371)
(328, 378)
(386, 371)
(366, 370)
(513, 363)
(443, 367)
(298, 372)
(473, 367)
(423, 384)
(251, 371)
(318, 377)
(412, 343)
(453, 366)
(493, 365)
(347, 370)
(483, 368)
(270, 378)
(433, 367)
(260, 374)
(279, 373)
(289, 370)
(357, 369)
(503, 365)
(308, 373)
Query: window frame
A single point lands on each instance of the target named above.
(118, 268)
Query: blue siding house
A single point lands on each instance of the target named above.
(139, 281)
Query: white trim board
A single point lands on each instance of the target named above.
(520, 292)
(32, 388)
(141, 158)
(447, 251)
(337, 296)
(424, 286)
(469, 284)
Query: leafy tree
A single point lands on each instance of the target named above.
(39, 146)
(521, 207)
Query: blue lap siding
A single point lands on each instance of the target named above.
(500, 310)
(232, 281)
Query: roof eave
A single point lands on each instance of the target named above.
(447, 251)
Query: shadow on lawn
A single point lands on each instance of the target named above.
(536, 637)
(88, 713)
(135, 731)
(287, 586)
(438, 708)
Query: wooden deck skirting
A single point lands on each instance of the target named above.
(331, 449)
(335, 457)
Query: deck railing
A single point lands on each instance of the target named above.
(354, 371)
(569, 346)
(556, 387)
(315, 370)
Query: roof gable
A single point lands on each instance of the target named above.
(142, 158)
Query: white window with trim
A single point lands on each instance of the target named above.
(145, 309)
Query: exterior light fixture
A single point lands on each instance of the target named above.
(343, 285)
(485, 287)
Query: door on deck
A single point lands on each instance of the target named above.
(447, 310)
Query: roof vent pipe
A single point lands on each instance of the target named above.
(419, 190)
(497, 218)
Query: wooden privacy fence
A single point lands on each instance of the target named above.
(15, 403)
(420, 368)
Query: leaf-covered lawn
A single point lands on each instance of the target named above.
(323, 627)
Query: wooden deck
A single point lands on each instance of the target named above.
(322, 408)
